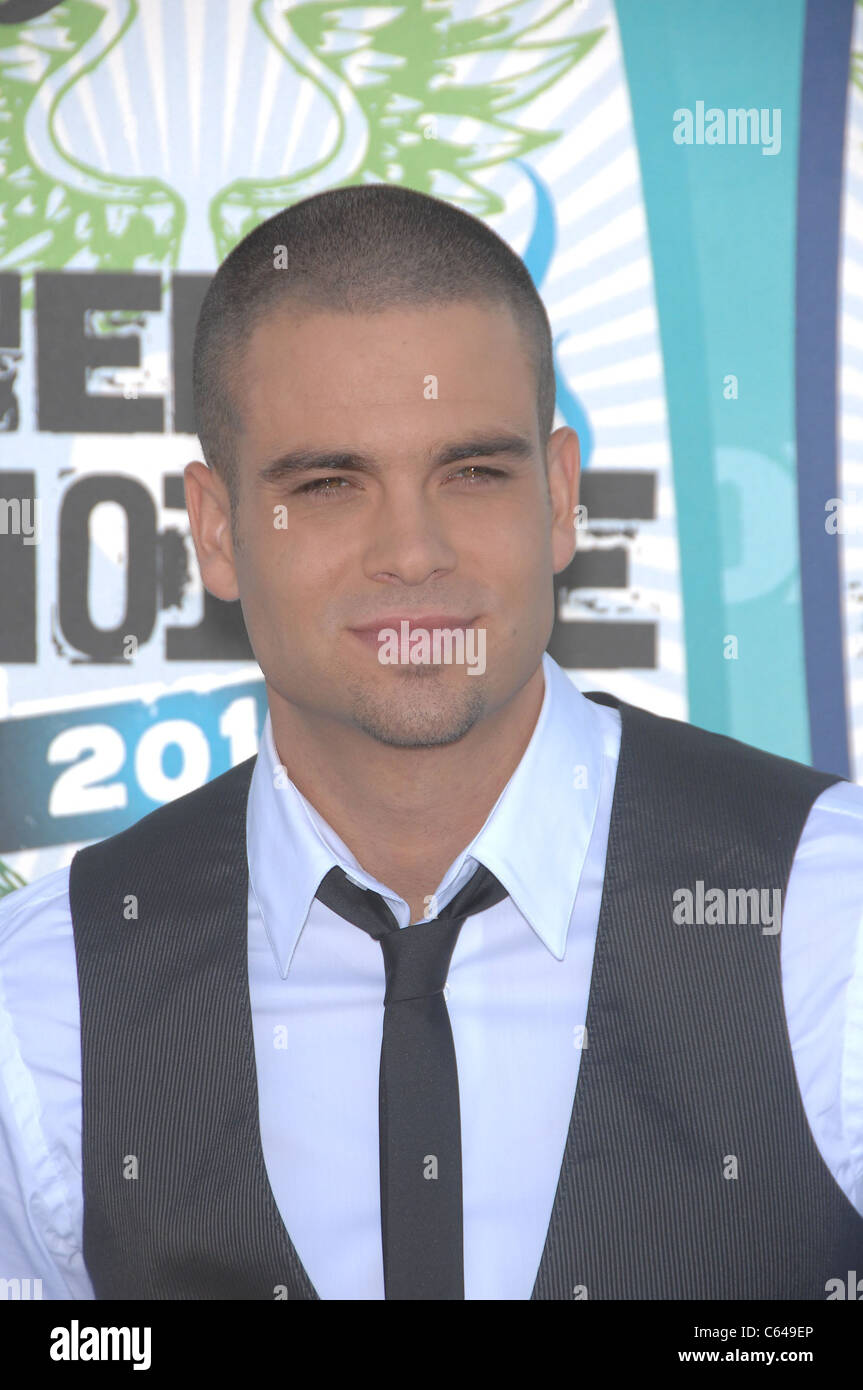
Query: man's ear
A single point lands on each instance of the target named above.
(564, 469)
(209, 508)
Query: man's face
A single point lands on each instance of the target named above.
(336, 549)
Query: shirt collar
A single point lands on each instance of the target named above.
(535, 838)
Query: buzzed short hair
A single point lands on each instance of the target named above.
(360, 249)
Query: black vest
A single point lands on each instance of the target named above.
(687, 1073)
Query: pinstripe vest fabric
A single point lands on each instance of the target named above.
(689, 1169)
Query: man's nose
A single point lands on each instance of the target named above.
(408, 540)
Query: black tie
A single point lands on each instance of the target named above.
(420, 1126)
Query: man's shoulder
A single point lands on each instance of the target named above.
(687, 748)
(173, 823)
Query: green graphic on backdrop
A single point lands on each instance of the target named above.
(405, 112)
(405, 107)
(122, 223)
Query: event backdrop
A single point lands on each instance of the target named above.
(683, 178)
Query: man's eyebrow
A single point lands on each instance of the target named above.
(348, 461)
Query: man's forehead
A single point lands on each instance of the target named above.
(448, 327)
(459, 357)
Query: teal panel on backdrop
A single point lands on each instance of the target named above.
(721, 220)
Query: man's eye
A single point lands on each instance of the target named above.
(479, 474)
(471, 473)
(323, 486)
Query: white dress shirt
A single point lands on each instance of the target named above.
(517, 998)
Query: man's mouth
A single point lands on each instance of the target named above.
(373, 633)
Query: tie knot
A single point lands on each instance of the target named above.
(417, 957)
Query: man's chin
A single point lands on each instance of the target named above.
(419, 713)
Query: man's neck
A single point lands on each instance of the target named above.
(405, 813)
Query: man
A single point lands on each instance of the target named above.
(468, 986)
